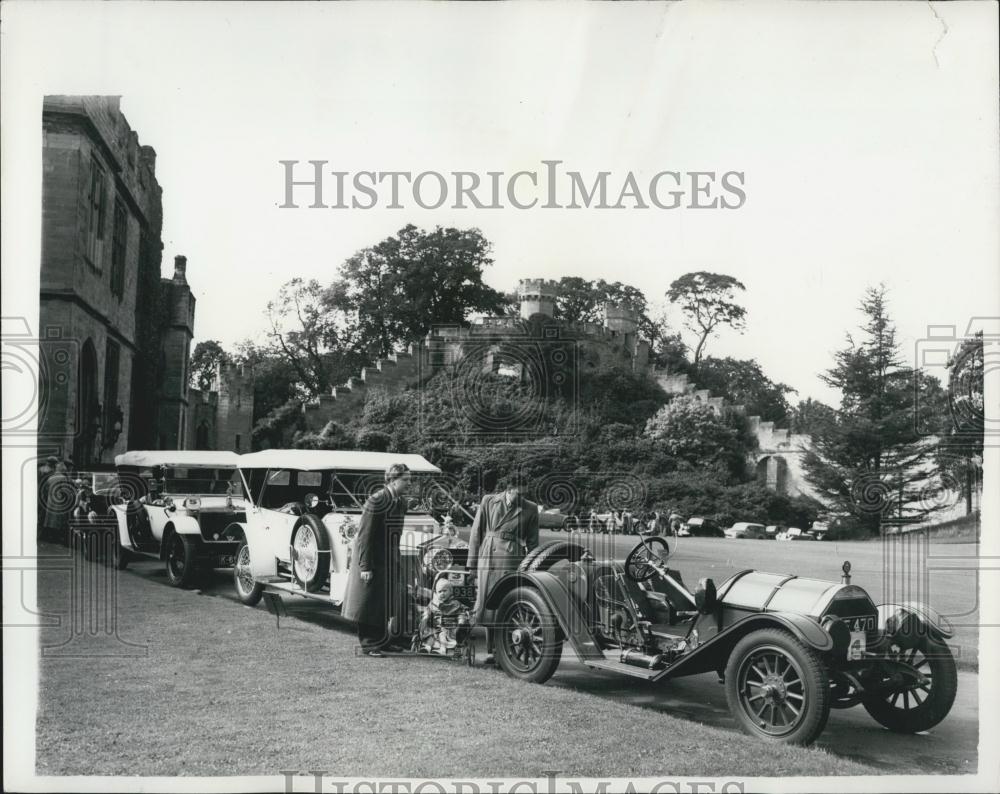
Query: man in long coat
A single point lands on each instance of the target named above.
(375, 588)
(504, 530)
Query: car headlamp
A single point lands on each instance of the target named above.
(438, 559)
(192, 503)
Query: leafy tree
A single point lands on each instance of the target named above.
(582, 300)
(278, 427)
(692, 432)
(744, 383)
(205, 359)
(872, 463)
(395, 291)
(315, 339)
(810, 416)
(961, 450)
(707, 300)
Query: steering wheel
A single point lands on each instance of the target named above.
(638, 564)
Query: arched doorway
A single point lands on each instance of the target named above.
(772, 472)
(88, 410)
(201, 435)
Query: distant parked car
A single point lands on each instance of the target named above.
(771, 531)
(746, 530)
(794, 533)
(699, 527)
(552, 519)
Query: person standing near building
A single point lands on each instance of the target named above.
(504, 530)
(375, 591)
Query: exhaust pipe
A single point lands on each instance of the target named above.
(639, 659)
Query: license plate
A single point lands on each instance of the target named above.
(863, 623)
(464, 592)
(856, 650)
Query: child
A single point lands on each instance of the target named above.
(445, 622)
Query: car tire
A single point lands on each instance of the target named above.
(117, 557)
(895, 712)
(182, 560)
(527, 637)
(311, 544)
(248, 591)
(773, 667)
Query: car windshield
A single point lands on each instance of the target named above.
(204, 482)
(341, 490)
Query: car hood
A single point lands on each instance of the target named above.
(779, 593)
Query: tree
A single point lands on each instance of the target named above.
(204, 362)
(872, 463)
(395, 291)
(707, 300)
(744, 383)
(313, 337)
(810, 417)
(581, 300)
(694, 435)
(961, 449)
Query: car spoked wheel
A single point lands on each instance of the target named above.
(919, 686)
(310, 553)
(771, 689)
(528, 640)
(247, 589)
(181, 556)
(777, 687)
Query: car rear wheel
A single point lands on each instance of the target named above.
(248, 590)
(528, 640)
(778, 687)
(915, 708)
(182, 564)
(311, 553)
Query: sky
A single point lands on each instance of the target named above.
(867, 134)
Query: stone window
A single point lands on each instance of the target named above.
(97, 208)
(237, 444)
(119, 247)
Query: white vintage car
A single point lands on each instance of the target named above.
(175, 506)
(303, 513)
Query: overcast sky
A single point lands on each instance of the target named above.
(867, 134)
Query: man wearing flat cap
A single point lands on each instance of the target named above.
(375, 591)
(504, 530)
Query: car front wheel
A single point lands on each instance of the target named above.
(778, 687)
(181, 560)
(248, 590)
(914, 707)
(528, 640)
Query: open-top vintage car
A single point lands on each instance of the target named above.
(173, 506)
(303, 514)
(788, 648)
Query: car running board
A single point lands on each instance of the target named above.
(623, 669)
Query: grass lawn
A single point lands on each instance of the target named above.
(220, 691)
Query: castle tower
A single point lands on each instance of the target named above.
(622, 319)
(537, 296)
(175, 348)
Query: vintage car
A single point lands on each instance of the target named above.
(304, 509)
(172, 506)
(747, 531)
(788, 648)
(698, 527)
(794, 533)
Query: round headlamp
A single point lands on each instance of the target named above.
(438, 559)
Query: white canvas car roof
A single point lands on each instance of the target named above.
(337, 459)
(209, 459)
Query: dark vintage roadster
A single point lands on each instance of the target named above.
(787, 648)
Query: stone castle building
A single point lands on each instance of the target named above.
(114, 337)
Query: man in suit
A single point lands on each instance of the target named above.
(504, 530)
(375, 590)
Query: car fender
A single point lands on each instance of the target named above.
(714, 653)
(913, 619)
(572, 622)
(121, 525)
(185, 524)
(235, 531)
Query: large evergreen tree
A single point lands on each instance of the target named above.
(873, 464)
